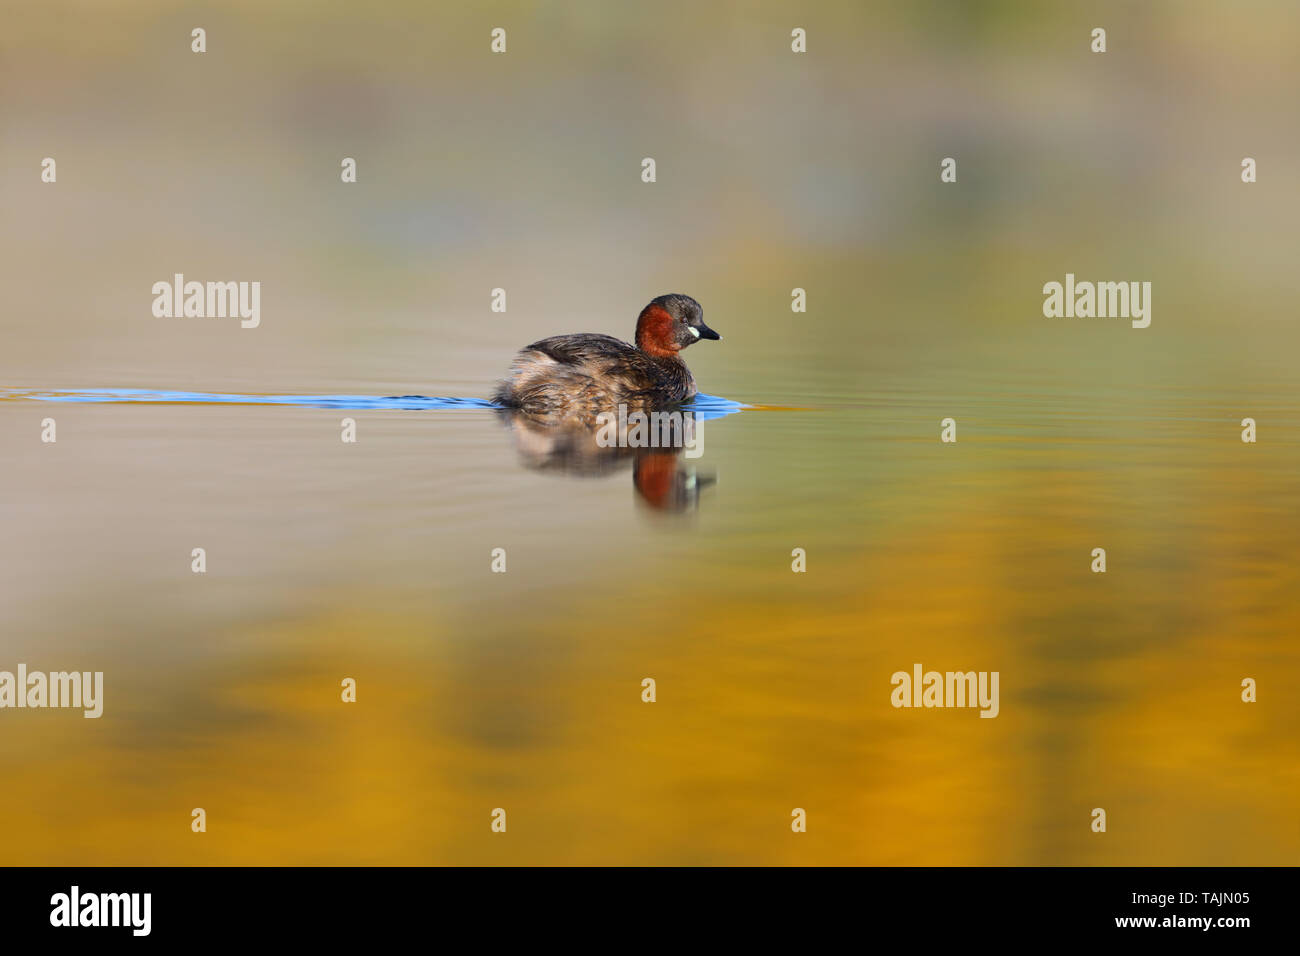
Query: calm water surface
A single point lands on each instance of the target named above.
(522, 690)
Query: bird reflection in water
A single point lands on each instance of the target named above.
(663, 475)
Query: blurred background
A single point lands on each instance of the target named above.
(522, 690)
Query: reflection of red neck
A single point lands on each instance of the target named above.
(654, 332)
(655, 474)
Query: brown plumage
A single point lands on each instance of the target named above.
(576, 377)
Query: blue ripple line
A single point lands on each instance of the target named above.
(704, 406)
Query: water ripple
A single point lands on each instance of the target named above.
(705, 407)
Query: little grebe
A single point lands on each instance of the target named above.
(575, 377)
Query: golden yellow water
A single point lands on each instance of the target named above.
(478, 690)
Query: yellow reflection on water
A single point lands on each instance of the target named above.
(1117, 691)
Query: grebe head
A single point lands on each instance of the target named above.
(669, 324)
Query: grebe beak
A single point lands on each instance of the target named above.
(705, 332)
